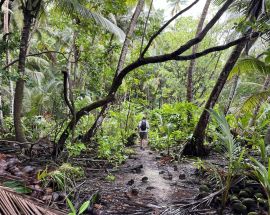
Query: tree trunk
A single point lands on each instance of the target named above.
(98, 122)
(258, 106)
(194, 50)
(1, 110)
(5, 7)
(195, 147)
(6, 32)
(18, 97)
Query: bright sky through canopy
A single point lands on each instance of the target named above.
(195, 11)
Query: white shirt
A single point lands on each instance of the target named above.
(147, 126)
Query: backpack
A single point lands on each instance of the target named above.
(143, 125)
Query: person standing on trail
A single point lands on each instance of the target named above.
(143, 131)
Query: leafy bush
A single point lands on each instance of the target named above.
(112, 149)
(262, 174)
(169, 125)
(61, 178)
(75, 149)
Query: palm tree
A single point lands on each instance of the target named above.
(30, 10)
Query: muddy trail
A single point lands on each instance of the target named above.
(147, 183)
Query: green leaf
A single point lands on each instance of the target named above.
(84, 207)
(17, 186)
(71, 206)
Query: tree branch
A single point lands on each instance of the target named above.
(215, 49)
(36, 54)
(165, 25)
(206, 29)
(84, 111)
(66, 77)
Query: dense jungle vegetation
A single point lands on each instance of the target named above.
(77, 77)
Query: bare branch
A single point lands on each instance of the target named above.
(165, 25)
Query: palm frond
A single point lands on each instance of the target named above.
(252, 101)
(250, 64)
(35, 75)
(71, 6)
(37, 62)
(13, 203)
(229, 145)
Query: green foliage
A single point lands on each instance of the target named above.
(231, 149)
(17, 186)
(82, 208)
(112, 149)
(63, 177)
(75, 149)
(170, 126)
(262, 174)
(110, 177)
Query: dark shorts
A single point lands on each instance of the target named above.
(143, 135)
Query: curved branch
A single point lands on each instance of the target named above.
(210, 50)
(215, 49)
(203, 33)
(165, 25)
(84, 111)
(66, 77)
(138, 63)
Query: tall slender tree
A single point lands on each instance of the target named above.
(30, 12)
(192, 65)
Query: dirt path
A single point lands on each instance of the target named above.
(151, 188)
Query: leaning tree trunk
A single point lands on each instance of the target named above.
(195, 147)
(194, 50)
(19, 89)
(98, 122)
(258, 106)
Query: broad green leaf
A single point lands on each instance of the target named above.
(84, 207)
(71, 206)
